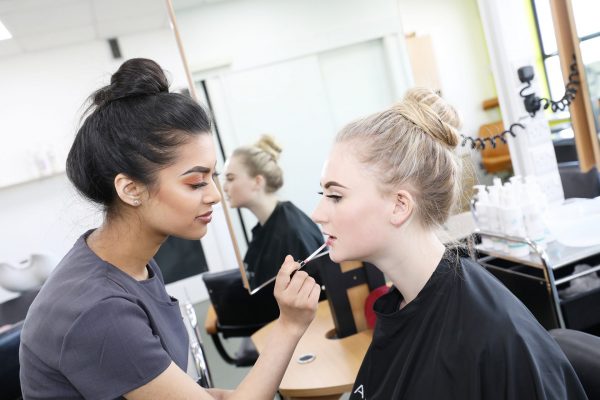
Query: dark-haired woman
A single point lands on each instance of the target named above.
(103, 326)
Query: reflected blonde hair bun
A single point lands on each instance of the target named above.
(268, 144)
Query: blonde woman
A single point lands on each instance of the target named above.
(253, 177)
(447, 329)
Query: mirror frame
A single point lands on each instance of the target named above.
(194, 94)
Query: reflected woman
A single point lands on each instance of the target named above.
(253, 177)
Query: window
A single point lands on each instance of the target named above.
(585, 13)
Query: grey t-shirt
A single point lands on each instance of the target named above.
(94, 332)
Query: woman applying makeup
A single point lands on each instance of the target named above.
(253, 177)
(103, 326)
(447, 329)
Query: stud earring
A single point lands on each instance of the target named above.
(136, 202)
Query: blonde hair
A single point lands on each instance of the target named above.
(411, 145)
(261, 159)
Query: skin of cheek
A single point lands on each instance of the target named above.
(360, 227)
(239, 190)
(361, 219)
(173, 209)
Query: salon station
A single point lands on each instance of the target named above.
(279, 79)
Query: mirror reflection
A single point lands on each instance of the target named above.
(253, 178)
(301, 70)
(57, 54)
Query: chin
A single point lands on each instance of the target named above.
(195, 234)
(336, 257)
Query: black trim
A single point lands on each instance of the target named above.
(588, 37)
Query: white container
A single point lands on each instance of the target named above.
(513, 223)
(482, 216)
(494, 212)
(575, 223)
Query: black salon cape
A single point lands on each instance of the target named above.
(287, 231)
(464, 337)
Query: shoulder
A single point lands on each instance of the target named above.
(504, 318)
(488, 305)
(110, 319)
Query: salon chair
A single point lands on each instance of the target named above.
(350, 286)
(583, 352)
(236, 313)
(10, 387)
(579, 184)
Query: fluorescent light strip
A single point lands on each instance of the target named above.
(4, 33)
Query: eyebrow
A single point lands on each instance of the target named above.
(198, 168)
(333, 183)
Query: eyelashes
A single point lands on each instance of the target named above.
(199, 185)
(334, 197)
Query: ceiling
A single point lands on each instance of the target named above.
(43, 24)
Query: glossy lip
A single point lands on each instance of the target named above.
(206, 217)
(330, 239)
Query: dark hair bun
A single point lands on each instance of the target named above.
(135, 77)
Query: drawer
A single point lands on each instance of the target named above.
(582, 311)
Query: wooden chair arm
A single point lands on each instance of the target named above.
(210, 323)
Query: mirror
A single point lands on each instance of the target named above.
(300, 70)
(57, 55)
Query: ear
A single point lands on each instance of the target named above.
(259, 182)
(128, 190)
(404, 205)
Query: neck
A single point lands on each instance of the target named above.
(263, 207)
(126, 245)
(416, 253)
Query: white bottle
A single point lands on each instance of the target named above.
(494, 212)
(482, 216)
(512, 222)
(533, 209)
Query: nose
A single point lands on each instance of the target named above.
(318, 214)
(212, 196)
(226, 187)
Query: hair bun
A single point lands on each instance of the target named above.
(424, 108)
(135, 77)
(268, 144)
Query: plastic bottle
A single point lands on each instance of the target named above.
(482, 215)
(494, 212)
(533, 210)
(512, 222)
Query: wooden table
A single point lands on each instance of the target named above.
(335, 367)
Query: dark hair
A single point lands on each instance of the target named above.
(133, 126)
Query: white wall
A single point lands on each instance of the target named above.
(242, 34)
(39, 109)
(248, 33)
(459, 46)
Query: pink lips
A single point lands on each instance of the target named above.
(330, 240)
(205, 218)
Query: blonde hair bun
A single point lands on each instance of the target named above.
(268, 144)
(432, 114)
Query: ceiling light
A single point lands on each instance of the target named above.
(4, 33)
